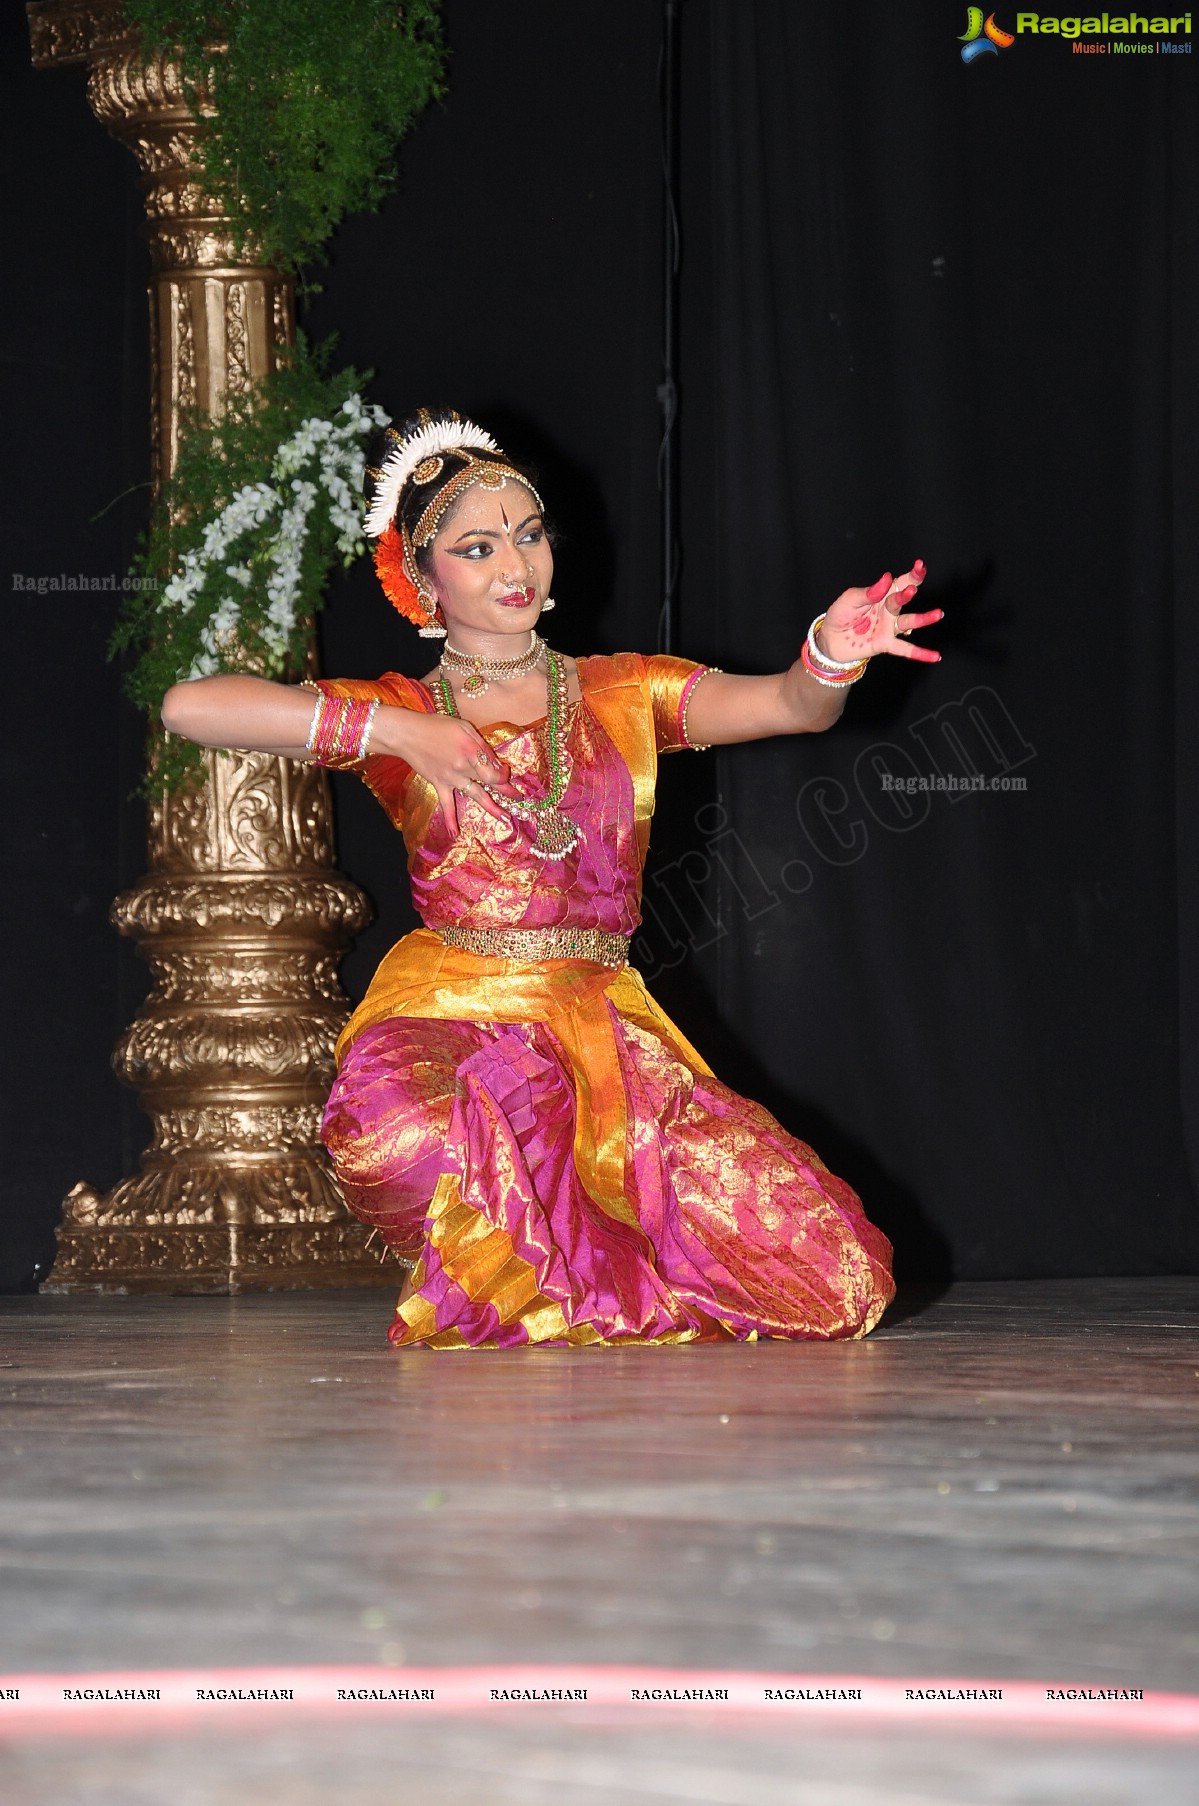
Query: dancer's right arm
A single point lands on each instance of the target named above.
(254, 715)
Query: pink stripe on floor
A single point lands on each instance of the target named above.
(56, 1704)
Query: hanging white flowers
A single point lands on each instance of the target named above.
(255, 544)
(263, 502)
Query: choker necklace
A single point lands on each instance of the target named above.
(478, 674)
(556, 834)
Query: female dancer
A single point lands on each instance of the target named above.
(513, 1113)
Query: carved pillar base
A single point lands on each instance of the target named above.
(221, 1259)
(242, 924)
(107, 1255)
(233, 1056)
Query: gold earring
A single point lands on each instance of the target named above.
(547, 605)
(433, 628)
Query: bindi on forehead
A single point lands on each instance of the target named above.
(481, 511)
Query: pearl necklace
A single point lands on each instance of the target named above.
(478, 674)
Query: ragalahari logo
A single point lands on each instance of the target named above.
(983, 37)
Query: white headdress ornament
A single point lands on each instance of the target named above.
(427, 442)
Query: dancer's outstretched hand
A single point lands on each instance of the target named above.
(861, 623)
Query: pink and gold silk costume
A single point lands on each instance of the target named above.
(540, 1139)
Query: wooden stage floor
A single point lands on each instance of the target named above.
(998, 1487)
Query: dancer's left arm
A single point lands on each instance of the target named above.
(861, 623)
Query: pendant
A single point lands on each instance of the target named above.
(475, 685)
(556, 835)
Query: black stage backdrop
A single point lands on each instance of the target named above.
(927, 309)
(949, 312)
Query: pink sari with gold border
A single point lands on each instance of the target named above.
(540, 1140)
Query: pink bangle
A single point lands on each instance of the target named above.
(849, 675)
(340, 730)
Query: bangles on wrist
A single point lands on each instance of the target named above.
(340, 731)
(834, 673)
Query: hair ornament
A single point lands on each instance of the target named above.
(481, 471)
(428, 442)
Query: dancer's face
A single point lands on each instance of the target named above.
(492, 564)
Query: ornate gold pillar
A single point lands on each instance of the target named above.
(242, 918)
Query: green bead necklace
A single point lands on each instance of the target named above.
(556, 834)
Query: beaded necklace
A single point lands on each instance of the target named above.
(478, 671)
(556, 834)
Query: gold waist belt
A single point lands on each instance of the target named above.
(532, 945)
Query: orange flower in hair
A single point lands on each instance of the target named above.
(391, 570)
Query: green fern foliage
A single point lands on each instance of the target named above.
(311, 98)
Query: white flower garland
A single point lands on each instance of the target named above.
(322, 461)
(428, 442)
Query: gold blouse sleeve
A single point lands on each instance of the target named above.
(672, 683)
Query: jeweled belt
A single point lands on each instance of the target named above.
(534, 944)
